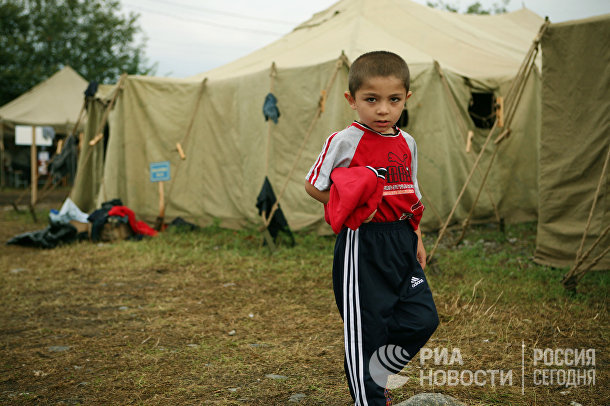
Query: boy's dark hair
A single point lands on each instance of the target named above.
(377, 63)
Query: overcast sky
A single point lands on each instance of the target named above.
(186, 37)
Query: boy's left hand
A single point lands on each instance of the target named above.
(421, 254)
(421, 250)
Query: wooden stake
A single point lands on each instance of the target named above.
(469, 141)
(500, 111)
(180, 151)
(96, 139)
(161, 218)
(60, 145)
(33, 168)
(161, 200)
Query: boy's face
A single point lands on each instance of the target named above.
(379, 102)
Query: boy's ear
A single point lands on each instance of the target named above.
(350, 99)
(409, 93)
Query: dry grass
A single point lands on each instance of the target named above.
(203, 317)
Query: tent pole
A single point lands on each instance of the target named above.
(181, 144)
(342, 61)
(574, 275)
(73, 134)
(509, 117)
(429, 204)
(33, 168)
(100, 127)
(272, 75)
(33, 174)
(2, 179)
(524, 70)
(597, 191)
(450, 216)
(80, 117)
(466, 222)
(463, 128)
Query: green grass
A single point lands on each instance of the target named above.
(185, 288)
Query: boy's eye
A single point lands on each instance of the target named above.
(370, 99)
(395, 99)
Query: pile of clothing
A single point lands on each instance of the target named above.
(70, 224)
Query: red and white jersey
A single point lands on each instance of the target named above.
(358, 145)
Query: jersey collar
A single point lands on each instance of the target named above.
(367, 128)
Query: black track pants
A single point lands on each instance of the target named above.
(383, 297)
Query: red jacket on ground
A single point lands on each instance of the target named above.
(138, 227)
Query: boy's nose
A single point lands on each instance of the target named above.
(382, 108)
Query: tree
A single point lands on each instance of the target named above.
(475, 8)
(39, 37)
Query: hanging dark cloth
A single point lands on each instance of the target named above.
(91, 89)
(264, 203)
(270, 110)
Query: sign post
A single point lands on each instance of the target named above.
(160, 172)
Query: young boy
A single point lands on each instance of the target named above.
(378, 276)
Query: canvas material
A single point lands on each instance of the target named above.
(574, 140)
(227, 153)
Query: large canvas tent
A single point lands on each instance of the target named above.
(575, 139)
(217, 118)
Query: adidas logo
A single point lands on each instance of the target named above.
(415, 281)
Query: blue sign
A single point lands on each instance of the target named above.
(159, 171)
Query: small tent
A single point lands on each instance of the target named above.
(575, 142)
(216, 118)
(55, 102)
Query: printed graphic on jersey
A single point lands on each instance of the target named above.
(399, 173)
(417, 206)
(400, 189)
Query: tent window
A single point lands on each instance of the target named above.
(482, 109)
(403, 121)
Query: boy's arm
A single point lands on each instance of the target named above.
(321, 196)
(421, 250)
